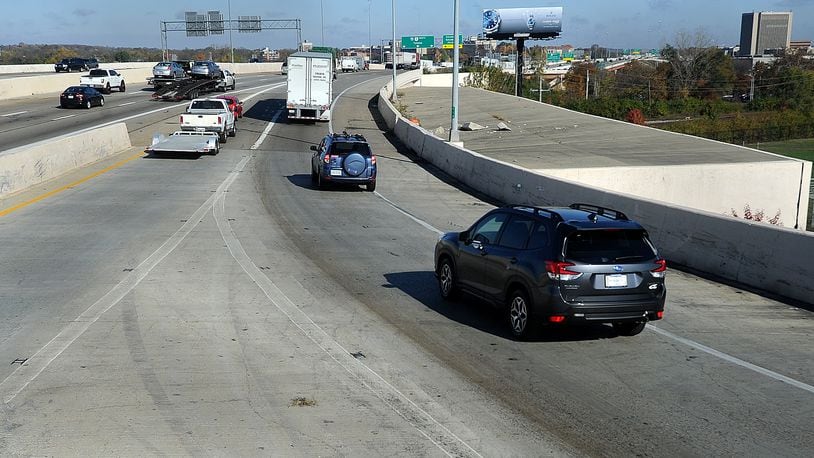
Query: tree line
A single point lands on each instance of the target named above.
(23, 53)
(698, 90)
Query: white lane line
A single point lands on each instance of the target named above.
(446, 441)
(266, 131)
(18, 380)
(14, 114)
(125, 104)
(407, 214)
(63, 117)
(733, 360)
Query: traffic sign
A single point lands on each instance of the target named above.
(419, 41)
(449, 40)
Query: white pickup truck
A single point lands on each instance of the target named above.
(104, 80)
(210, 115)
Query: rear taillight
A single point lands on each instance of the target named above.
(558, 270)
(661, 270)
(181, 120)
(660, 314)
(220, 121)
(373, 159)
(556, 319)
(327, 159)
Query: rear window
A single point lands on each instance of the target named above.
(350, 147)
(207, 105)
(74, 89)
(608, 246)
(98, 73)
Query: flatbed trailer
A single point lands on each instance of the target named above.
(188, 89)
(183, 141)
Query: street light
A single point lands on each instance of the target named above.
(393, 96)
(322, 20)
(453, 128)
(231, 47)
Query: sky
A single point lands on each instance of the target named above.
(344, 23)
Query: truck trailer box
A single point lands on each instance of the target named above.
(310, 86)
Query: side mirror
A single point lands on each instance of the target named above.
(240, 103)
(314, 148)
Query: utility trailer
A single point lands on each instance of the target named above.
(183, 141)
(188, 89)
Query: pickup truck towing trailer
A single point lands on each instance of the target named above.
(310, 90)
(209, 115)
(185, 142)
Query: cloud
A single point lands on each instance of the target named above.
(83, 12)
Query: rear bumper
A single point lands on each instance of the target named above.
(618, 309)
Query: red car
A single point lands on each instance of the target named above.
(235, 105)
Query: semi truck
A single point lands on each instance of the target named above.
(310, 86)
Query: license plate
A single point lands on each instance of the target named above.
(336, 172)
(70, 96)
(200, 129)
(615, 281)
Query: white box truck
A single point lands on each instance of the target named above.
(310, 81)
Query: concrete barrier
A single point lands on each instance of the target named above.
(759, 255)
(32, 164)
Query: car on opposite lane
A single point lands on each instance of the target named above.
(344, 158)
(81, 96)
(557, 265)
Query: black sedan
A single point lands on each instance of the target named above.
(81, 96)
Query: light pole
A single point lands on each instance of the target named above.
(453, 128)
(231, 47)
(322, 20)
(393, 97)
(369, 29)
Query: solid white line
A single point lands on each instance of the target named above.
(266, 131)
(446, 441)
(733, 360)
(14, 114)
(63, 117)
(407, 214)
(18, 380)
(125, 104)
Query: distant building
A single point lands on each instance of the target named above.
(801, 46)
(765, 32)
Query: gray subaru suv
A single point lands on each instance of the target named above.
(581, 263)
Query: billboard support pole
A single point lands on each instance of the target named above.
(456, 56)
(393, 96)
(518, 88)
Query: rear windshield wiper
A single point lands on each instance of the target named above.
(627, 258)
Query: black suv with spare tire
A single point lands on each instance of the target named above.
(343, 158)
(559, 265)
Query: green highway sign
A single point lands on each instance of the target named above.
(419, 41)
(449, 40)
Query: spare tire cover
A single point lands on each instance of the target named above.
(354, 164)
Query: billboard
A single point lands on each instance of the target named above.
(508, 23)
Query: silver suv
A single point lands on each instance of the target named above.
(205, 69)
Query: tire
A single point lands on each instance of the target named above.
(107, 88)
(102, 102)
(519, 315)
(354, 164)
(629, 328)
(88, 104)
(122, 87)
(233, 86)
(370, 187)
(223, 137)
(217, 150)
(233, 131)
(447, 280)
(320, 182)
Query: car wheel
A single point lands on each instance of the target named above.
(233, 86)
(107, 88)
(223, 137)
(519, 314)
(233, 132)
(102, 102)
(370, 187)
(447, 280)
(320, 181)
(87, 104)
(122, 87)
(629, 328)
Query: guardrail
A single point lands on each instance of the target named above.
(769, 258)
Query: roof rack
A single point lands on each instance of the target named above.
(603, 211)
(344, 133)
(536, 210)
